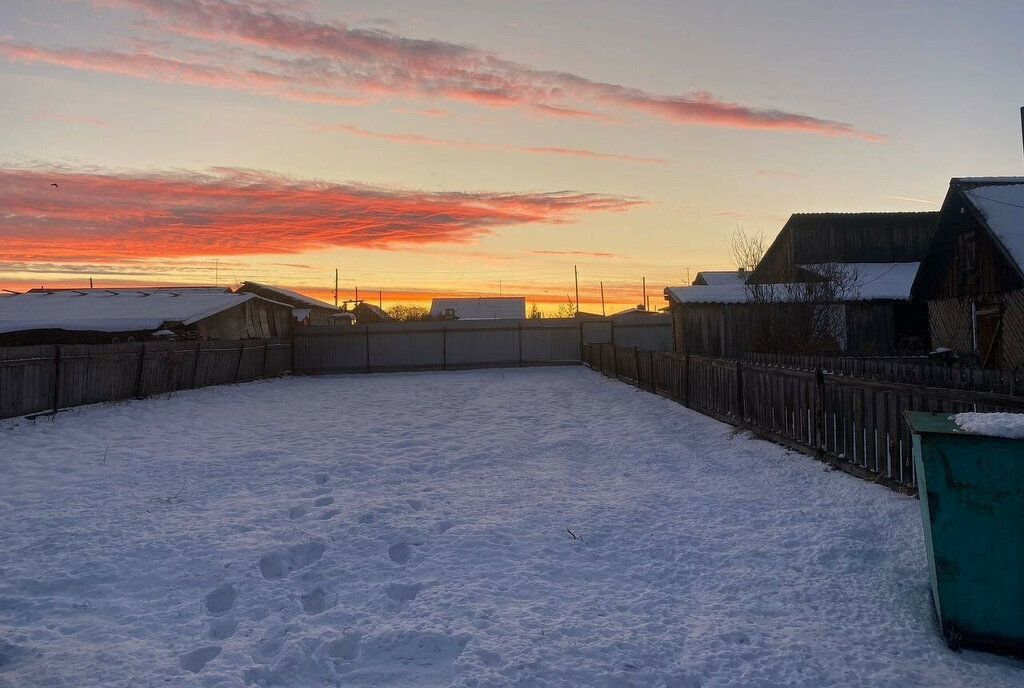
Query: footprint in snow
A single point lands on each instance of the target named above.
(320, 478)
(315, 601)
(220, 600)
(400, 553)
(297, 512)
(195, 660)
(279, 564)
(345, 648)
(324, 501)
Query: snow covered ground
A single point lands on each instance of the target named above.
(412, 530)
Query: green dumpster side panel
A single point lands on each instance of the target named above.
(972, 504)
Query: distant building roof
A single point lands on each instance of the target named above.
(713, 278)
(292, 298)
(114, 310)
(507, 308)
(866, 282)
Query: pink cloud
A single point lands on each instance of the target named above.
(94, 216)
(584, 254)
(326, 61)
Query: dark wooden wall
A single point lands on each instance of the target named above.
(951, 326)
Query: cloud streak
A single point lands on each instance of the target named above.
(416, 139)
(304, 59)
(100, 216)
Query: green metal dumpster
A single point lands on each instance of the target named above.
(972, 504)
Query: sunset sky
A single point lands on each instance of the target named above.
(477, 148)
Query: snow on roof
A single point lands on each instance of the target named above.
(509, 308)
(714, 278)
(1002, 205)
(290, 297)
(874, 281)
(113, 310)
(721, 293)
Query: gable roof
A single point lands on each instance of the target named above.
(817, 238)
(114, 310)
(483, 307)
(1000, 203)
(713, 278)
(292, 298)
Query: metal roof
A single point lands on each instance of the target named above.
(113, 310)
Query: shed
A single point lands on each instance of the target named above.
(306, 310)
(97, 316)
(972, 277)
(479, 308)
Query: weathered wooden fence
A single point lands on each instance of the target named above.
(443, 345)
(36, 379)
(916, 370)
(853, 423)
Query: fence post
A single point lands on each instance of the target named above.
(739, 391)
(520, 343)
(56, 378)
(686, 379)
(819, 412)
(581, 339)
(444, 348)
(195, 364)
(142, 366)
(615, 361)
(367, 331)
(636, 364)
(238, 363)
(266, 351)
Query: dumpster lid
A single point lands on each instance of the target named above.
(935, 423)
(997, 425)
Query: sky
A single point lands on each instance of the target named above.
(477, 149)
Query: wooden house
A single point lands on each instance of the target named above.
(306, 310)
(829, 283)
(973, 275)
(99, 316)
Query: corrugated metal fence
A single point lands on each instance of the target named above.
(433, 345)
(36, 379)
(854, 423)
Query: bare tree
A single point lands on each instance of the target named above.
(405, 312)
(746, 250)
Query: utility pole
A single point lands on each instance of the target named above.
(357, 293)
(380, 299)
(602, 298)
(643, 287)
(216, 271)
(576, 274)
(90, 282)
(335, 287)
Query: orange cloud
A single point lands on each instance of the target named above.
(93, 216)
(330, 62)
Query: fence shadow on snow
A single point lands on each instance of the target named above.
(855, 424)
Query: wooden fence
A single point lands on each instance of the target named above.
(35, 379)
(915, 370)
(443, 345)
(853, 423)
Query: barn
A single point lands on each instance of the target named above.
(99, 316)
(829, 283)
(973, 275)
